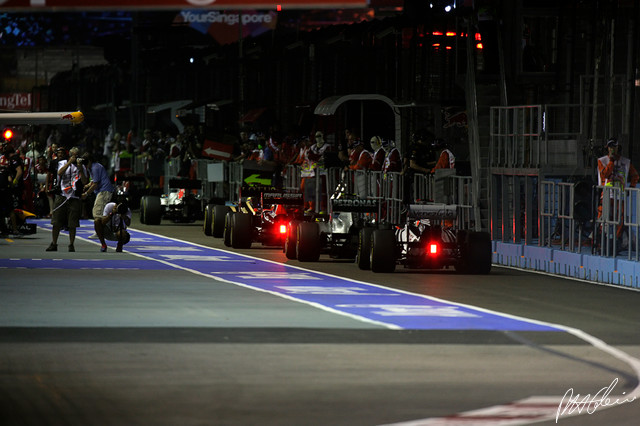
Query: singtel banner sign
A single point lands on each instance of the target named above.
(15, 101)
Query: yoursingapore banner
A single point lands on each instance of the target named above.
(223, 26)
(177, 4)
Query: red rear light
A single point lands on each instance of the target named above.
(433, 249)
(283, 229)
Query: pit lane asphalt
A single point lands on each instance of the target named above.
(160, 346)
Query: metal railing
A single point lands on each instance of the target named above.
(516, 137)
(609, 228)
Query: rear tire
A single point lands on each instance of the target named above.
(308, 244)
(227, 229)
(383, 248)
(363, 256)
(150, 210)
(208, 218)
(291, 240)
(218, 220)
(478, 252)
(241, 231)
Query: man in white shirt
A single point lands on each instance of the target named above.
(113, 225)
(67, 207)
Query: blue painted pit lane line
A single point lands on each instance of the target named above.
(389, 307)
(89, 264)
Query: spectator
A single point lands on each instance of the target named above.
(359, 158)
(67, 206)
(312, 168)
(10, 187)
(108, 148)
(42, 206)
(420, 156)
(446, 159)
(122, 158)
(176, 148)
(146, 140)
(150, 158)
(379, 154)
(27, 182)
(52, 181)
(393, 160)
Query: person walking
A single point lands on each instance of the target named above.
(100, 184)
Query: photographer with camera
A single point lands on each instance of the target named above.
(112, 225)
(67, 206)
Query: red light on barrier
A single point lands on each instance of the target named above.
(8, 134)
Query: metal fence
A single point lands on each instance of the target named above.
(605, 224)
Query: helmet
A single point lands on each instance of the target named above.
(612, 142)
(388, 144)
(376, 143)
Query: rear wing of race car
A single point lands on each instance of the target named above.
(282, 198)
(432, 211)
(354, 205)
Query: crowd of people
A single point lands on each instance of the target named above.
(34, 165)
(313, 155)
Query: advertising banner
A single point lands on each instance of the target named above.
(223, 26)
(15, 101)
(179, 4)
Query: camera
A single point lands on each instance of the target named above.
(79, 161)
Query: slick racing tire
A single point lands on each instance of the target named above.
(241, 231)
(478, 252)
(383, 244)
(291, 240)
(150, 210)
(308, 244)
(218, 220)
(363, 255)
(208, 219)
(226, 235)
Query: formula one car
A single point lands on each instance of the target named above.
(21, 216)
(335, 234)
(261, 216)
(426, 241)
(179, 205)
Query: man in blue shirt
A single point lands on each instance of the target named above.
(99, 183)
